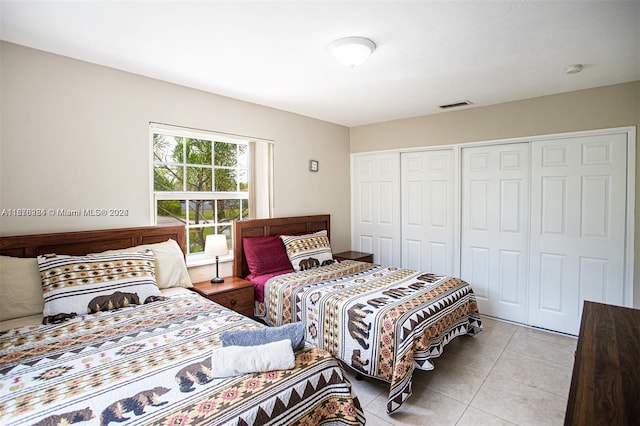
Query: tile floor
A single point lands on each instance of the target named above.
(506, 375)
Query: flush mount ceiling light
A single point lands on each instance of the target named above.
(352, 51)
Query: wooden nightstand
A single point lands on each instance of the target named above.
(234, 293)
(355, 255)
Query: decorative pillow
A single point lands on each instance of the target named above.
(20, 288)
(171, 270)
(308, 251)
(88, 284)
(265, 255)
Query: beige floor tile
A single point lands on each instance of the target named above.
(373, 420)
(499, 332)
(518, 403)
(478, 352)
(452, 379)
(537, 373)
(543, 345)
(476, 417)
(424, 407)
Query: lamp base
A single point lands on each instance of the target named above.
(217, 280)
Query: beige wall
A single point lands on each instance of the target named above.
(599, 108)
(603, 107)
(75, 135)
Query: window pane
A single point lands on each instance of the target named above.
(225, 180)
(171, 210)
(228, 210)
(243, 156)
(226, 231)
(245, 209)
(200, 212)
(167, 178)
(225, 154)
(167, 149)
(243, 180)
(197, 237)
(198, 179)
(198, 151)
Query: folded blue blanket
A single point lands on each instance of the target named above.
(261, 336)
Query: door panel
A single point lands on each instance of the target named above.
(494, 228)
(428, 219)
(577, 228)
(376, 206)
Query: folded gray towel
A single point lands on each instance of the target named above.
(260, 336)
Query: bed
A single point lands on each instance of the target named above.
(158, 361)
(382, 321)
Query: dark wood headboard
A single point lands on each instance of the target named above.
(276, 226)
(83, 242)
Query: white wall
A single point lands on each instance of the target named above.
(74, 135)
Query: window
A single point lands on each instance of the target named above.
(207, 180)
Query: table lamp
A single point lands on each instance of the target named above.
(216, 245)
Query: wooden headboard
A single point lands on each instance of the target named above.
(83, 242)
(276, 226)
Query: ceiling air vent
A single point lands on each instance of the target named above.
(456, 104)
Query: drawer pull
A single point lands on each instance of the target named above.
(233, 302)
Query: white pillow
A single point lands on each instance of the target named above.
(171, 270)
(20, 288)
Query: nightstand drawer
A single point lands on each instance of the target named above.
(234, 293)
(240, 300)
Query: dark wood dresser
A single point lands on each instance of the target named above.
(605, 385)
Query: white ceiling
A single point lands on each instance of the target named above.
(428, 53)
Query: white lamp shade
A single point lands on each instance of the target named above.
(216, 245)
(352, 51)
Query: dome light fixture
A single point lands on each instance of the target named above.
(352, 51)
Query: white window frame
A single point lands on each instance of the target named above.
(263, 186)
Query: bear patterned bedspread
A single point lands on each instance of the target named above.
(382, 321)
(151, 364)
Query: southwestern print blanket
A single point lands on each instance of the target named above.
(382, 321)
(150, 364)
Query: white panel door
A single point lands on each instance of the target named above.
(578, 217)
(376, 206)
(495, 227)
(428, 220)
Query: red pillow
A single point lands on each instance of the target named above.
(265, 255)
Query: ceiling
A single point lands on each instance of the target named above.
(429, 53)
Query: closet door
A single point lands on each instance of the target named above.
(428, 220)
(376, 206)
(495, 227)
(577, 227)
